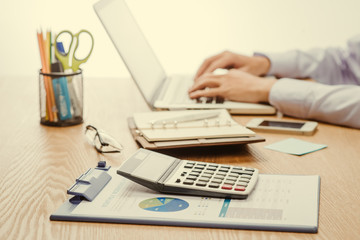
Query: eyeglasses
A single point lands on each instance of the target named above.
(102, 142)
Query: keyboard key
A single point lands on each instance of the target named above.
(209, 100)
(219, 100)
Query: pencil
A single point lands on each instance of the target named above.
(46, 82)
(52, 95)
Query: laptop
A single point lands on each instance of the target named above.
(159, 90)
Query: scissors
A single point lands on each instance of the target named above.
(64, 57)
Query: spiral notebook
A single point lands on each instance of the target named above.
(190, 128)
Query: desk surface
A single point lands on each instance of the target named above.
(39, 163)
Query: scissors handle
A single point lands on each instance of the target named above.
(75, 61)
(64, 57)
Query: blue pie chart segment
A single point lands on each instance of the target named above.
(164, 204)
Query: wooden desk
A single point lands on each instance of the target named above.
(39, 163)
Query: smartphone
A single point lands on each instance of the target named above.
(281, 126)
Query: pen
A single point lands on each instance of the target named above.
(187, 118)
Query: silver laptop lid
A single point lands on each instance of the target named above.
(132, 46)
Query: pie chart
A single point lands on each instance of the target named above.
(163, 204)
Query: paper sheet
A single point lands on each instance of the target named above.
(295, 146)
(278, 200)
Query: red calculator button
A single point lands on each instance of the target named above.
(226, 187)
(239, 188)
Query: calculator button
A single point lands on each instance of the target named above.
(206, 175)
(188, 166)
(244, 180)
(211, 168)
(245, 176)
(231, 179)
(201, 184)
(188, 182)
(213, 165)
(239, 188)
(226, 187)
(191, 178)
(195, 171)
(216, 181)
(242, 184)
(250, 169)
(219, 177)
(214, 185)
(220, 174)
(178, 180)
(199, 167)
(209, 172)
(237, 168)
(246, 172)
(229, 182)
(204, 179)
(201, 164)
(233, 175)
(194, 174)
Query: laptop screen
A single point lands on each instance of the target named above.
(132, 46)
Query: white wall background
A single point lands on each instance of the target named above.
(181, 32)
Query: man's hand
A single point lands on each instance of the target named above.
(236, 85)
(256, 65)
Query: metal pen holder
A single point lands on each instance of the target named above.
(61, 98)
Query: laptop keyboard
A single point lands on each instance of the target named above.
(178, 93)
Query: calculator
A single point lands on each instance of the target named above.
(167, 174)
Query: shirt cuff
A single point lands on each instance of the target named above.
(288, 96)
(281, 64)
